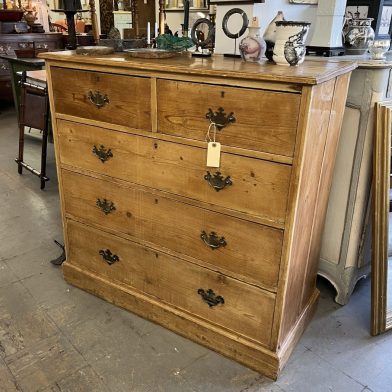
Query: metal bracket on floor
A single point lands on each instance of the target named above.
(59, 260)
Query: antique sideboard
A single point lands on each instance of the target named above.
(226, 256)
(10, 42)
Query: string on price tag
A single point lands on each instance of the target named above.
(213, 147)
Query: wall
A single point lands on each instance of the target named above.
(266, 12)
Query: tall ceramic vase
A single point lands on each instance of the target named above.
(290, 42)
(269, 35)
(358, 34)
(252, 47)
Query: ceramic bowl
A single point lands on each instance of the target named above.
(378, 48)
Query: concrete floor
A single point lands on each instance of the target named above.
(54, 337)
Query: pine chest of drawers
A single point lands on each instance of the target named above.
(224, 256)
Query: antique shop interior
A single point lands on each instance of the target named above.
(195, 195)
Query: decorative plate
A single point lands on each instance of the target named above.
(146, 53)
(94, 50)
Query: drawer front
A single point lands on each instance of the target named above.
(248, 185)
(244, 309)
(243, 249)
(117, 99)
(259, 123)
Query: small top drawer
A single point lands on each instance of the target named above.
(264, 120)
(116, 99)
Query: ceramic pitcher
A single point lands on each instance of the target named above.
(358, 33)
(290, 42)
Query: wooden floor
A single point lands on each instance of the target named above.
(54, 337)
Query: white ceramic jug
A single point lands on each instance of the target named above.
(290, 42)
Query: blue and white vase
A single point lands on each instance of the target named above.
(290, 42)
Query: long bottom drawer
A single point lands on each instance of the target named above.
(212, 297)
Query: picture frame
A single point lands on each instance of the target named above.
(236, 2)
(303, 1)
(178, 5)
(379, 10)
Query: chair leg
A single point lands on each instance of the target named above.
(43, 156)
(21, 121)
(21, 147)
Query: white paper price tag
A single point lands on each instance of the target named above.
(213, 154)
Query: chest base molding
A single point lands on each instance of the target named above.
(228, 344)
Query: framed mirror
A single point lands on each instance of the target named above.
(382, 221)
(202, 35)
(178, 5)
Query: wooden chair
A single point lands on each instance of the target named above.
(60, 26)
(33, 112)
(57, 28)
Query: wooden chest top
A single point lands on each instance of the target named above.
(309, 73)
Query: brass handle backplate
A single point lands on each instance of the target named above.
(217, 181)
(108, 256)
(98, 99)
(212, 240)
(105, 205)
(210, 298)
(220, 118)
(102, 153)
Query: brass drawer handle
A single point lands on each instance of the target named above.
(108, 256)
(220, 118)
(217, 181)
(105, 205)
(210, 297)
(212, 240)
(102, 153)
(98, 99)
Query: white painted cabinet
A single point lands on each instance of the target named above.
(122, 20)
(345, 253)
